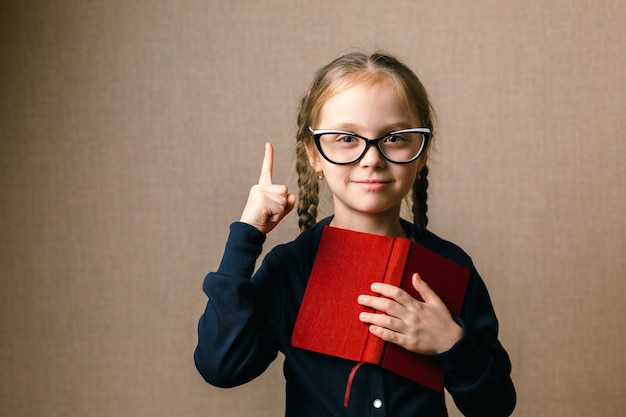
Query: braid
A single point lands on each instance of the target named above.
(308, 185)
(308, 182)
(420, 195)
(420, 186)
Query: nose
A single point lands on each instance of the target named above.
(372, 158)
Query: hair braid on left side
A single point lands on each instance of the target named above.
(308, 181)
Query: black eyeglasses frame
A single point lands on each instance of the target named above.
(371, 142)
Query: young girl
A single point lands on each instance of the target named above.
(250, 315)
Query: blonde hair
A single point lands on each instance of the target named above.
(344, 72)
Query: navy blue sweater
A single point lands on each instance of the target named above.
(250, 315)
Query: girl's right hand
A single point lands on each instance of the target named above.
(267, 203)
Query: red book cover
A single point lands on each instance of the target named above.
(346, 264)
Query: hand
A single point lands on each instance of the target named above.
(267, 203)
(422, 327)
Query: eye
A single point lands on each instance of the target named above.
(347, 139)
(396, 139)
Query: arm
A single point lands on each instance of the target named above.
(235, 344)
(476, 366)
(478, 369)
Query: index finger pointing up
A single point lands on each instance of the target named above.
(268, 165)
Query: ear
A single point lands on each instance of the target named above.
(421, 162)
(314, 157)
(423, 159)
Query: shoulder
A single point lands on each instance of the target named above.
(286, 267)
(441, 246)
(304, 246)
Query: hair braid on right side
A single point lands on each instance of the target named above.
(420, 186)
(420, 197)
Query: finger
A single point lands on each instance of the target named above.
(283, 207)
(388, 291)
(274, 203)
(268, 165)
(381, 320)
(290, 203)
(386, 334)
(278, 202)
(380, 304)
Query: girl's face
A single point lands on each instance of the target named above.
(371, 186)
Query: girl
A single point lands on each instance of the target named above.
(250, 315)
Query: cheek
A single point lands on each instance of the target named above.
(407, 172)
(335, 174)
(408, 176)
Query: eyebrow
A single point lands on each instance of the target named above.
(352, 128)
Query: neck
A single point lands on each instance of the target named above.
(383, 224)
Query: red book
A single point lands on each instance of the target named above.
(346, 264)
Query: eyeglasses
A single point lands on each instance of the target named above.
(342, 148)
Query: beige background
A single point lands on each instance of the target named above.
(131, 131)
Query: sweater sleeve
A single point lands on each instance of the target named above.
(477, 367)
(235, 344)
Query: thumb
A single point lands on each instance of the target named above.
(291, 202)
(424, 290)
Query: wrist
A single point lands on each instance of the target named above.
(453, 336)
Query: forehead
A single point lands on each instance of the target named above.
(368, 106)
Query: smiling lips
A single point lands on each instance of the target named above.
(373, 184)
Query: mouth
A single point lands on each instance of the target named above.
(373, 184)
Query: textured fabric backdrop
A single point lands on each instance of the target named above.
(131, 131)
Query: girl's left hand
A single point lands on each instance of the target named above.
(424, 327)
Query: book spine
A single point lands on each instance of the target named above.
(375, 346)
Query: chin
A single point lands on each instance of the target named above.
(377, 209)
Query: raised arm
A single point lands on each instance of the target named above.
(235, 343)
